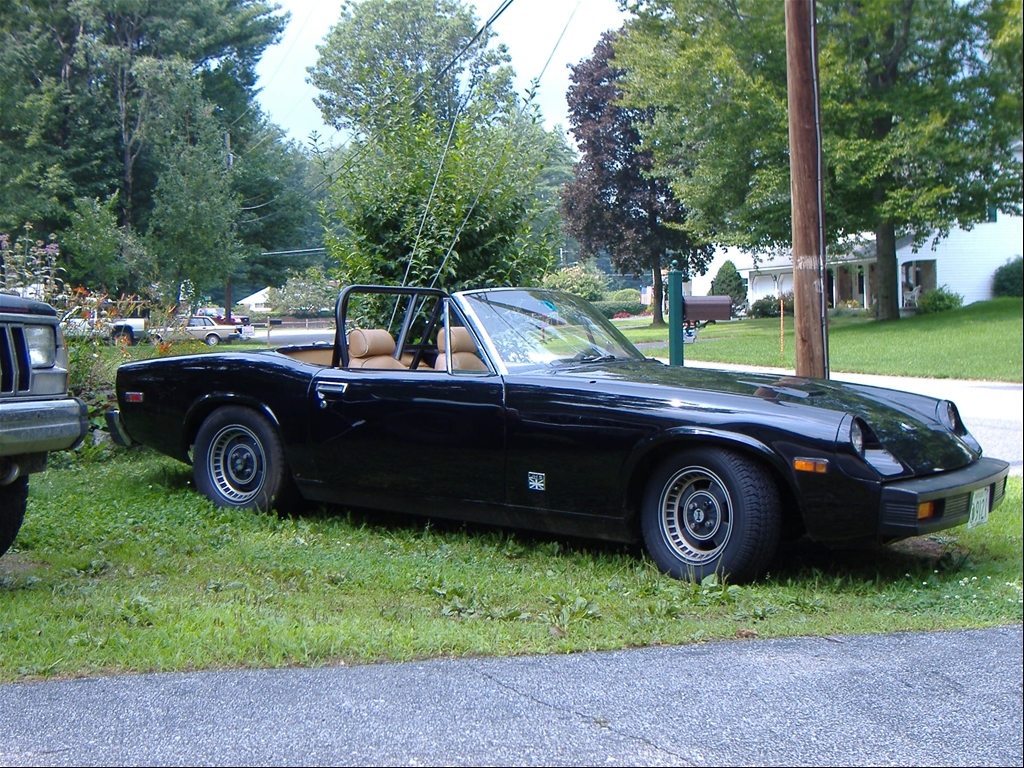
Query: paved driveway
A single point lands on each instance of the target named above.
(943, 698)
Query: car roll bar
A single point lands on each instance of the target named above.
(340, 357)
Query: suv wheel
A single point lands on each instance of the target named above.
(13, 500)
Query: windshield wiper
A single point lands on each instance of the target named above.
(585, 357)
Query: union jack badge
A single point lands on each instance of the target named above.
(535, 481)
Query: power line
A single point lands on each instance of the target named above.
(284, 58)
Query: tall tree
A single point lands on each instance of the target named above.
(412, 209)
(193, 225)
(440, 185)
(127, 41)
(384, 55)
(80, 124)
(912, 143)
(614, 203)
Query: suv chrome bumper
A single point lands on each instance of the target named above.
(38, 426)
(950, 490)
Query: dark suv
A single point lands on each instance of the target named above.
(36, 414)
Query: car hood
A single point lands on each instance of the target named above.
(905, 424)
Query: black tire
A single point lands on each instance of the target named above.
(238, 461)
(731, 518)
(13, 500)
(124, 335)
(212, 340)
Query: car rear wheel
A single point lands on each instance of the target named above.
(238, 460)
(212, 340)
(124, 335)
(13, 500)
(711, 511)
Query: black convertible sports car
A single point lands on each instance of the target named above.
(525, 407)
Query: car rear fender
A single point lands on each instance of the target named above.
(207, 404)
(649, 453)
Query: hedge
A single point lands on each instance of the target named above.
(611, 308)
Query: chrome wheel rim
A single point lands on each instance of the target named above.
(696, 515)
(237, 464)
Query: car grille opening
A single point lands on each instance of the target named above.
(957, 505)
(15, 370)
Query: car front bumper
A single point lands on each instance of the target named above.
(39, 426)
(950, 492)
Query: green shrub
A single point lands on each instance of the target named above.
(581, 280)
(1009, 278)
(939, 300)
(729, 283)
(769, 306)
(844, 311)
(625, 294)
(611, 308)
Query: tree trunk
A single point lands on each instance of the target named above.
(886, 272)
(659, 293)
(227, 301)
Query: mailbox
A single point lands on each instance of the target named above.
(703, 308)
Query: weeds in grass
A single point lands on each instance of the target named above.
(121, 566)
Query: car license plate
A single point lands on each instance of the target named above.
(979, 508)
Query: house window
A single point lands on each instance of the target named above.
(993, 214)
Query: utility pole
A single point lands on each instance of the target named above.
(806, 165)
(227, 287)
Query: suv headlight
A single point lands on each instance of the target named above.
(42, 345)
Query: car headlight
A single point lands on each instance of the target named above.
(857, 437)
(42, 345)
(949, 417)
(868, 447)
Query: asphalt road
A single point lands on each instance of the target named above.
(943, 698)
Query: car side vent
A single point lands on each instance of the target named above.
(999, 491)
(15, 370)
(957, 505)
(895, 513)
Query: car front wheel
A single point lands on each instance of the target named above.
(711, 511)
(238, 460)
(13, 500)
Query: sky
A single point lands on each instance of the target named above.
(529, 28)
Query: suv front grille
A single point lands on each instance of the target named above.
(15, 370)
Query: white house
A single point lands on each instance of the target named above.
(964, 262)
(257, 302)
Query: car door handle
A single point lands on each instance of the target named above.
(329, 390)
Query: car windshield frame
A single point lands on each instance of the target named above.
(537, 329)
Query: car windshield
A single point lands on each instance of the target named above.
(538, 328)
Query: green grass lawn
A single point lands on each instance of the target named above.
(121, 566)
(980, 341)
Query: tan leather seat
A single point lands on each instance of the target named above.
(372, 348)
(423, 366)
(465, 356)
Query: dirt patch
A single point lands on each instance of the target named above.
(928, 547)
(18, 562)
